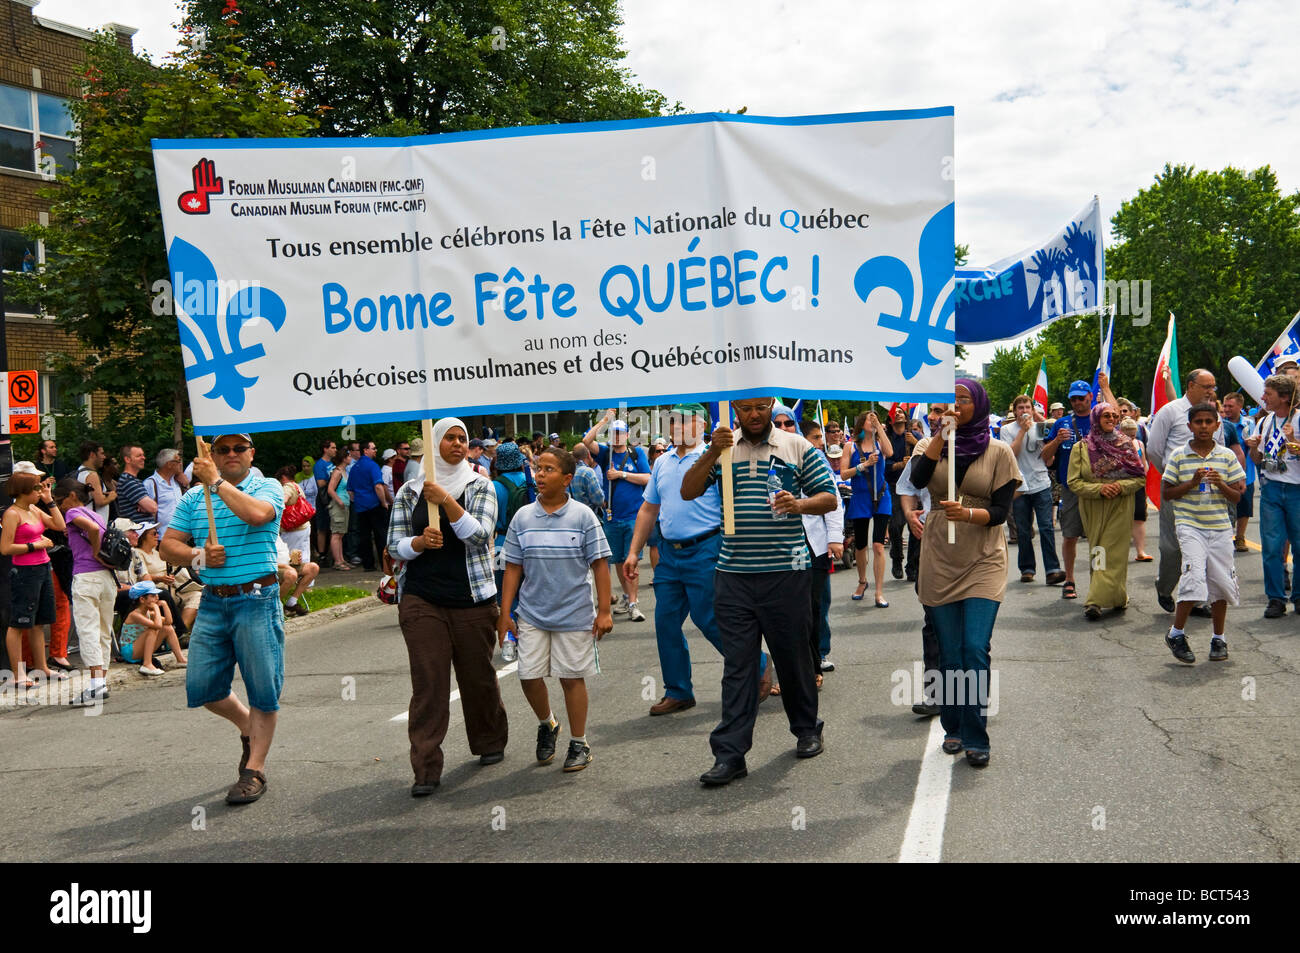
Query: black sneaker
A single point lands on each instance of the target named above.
(1166, 602)
(1218, 650)
(546, 736)
(1179, 647)
(1276, 609)
(579, 756)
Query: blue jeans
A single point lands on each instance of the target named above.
(684, 583)
(1279, 520)
(1037, 505)
(965, 634)
(247, 630)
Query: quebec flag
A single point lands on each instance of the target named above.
(1060, 277)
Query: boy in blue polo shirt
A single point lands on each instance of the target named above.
(550, 545)
(627, 471)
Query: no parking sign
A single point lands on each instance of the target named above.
(18, 398)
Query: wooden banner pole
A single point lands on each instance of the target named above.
(952, 476)
(728, 486)
(426, 431)
(206, 454)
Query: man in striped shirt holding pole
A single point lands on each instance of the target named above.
(230, 538)
(761, 586)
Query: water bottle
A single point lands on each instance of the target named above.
(773, 488)
(1205, 486)
(510, 648)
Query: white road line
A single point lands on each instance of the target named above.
(455, 695)
(923, 841)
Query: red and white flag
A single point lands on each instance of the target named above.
(1167, 366)
(1040, 389)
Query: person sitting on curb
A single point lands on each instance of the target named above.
(297, 575)
(146, 627)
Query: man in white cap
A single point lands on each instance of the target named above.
(628, 471)
(240, 619)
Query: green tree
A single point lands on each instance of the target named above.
(105, 234)
(408, 67)
(1014, 370)
(1222, 252)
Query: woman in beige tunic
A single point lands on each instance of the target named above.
(962, 583)
(1105, 477)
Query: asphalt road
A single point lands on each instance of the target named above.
(1104, 749)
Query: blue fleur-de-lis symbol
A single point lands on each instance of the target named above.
(194, 289)
(932, 320)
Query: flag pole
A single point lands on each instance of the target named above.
(205, 453)
(426, 430)
(728, 484)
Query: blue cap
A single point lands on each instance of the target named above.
(1080, 389)
(144, 588)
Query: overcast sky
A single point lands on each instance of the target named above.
(1055, 102)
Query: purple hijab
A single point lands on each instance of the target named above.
(1112, 455)
(972, 437)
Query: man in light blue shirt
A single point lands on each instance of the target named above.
(683, 580)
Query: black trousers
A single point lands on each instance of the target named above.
(748, 607)
(898, 528)
(930, 654)
(821, 567)
(373, 530)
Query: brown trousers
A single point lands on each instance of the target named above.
(436, 640)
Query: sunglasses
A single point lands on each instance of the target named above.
(225, 449)
(787, 424)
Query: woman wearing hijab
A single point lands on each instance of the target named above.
(963, 582)
(447, 604)
(1104, 478)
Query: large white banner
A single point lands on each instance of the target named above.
(554, 267)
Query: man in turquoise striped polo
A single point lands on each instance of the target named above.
(240, 620)
(761, 587)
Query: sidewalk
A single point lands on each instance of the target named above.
(123, 676)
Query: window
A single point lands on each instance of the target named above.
(19, 253)
(34, 125)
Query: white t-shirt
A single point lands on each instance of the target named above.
(1269, 427)
(1032, 468)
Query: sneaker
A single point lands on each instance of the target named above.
(579, 756)
(1179, 647)
(355, 560)
(90, 697)
(250, 786)
(546, 736)
(1276, 609)
(620, 607)
(634, 614)
(1218, 649)
(826, 665)
(152, 672)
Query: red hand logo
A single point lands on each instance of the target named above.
(206, 182)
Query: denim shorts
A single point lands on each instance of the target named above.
(619, 535)
(31, 595)
(247, 630)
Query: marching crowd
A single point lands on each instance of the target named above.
(510, 544)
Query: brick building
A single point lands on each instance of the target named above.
(41, 62)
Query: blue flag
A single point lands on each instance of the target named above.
(1060, 277)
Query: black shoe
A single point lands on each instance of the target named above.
(1166, 602)
(579, 756)
(928, 711)
(1092, 613)
(977, 759)
(722, 773)
(423, 790)
(898, 570)
(952, 746)
(1179, 647)
(1202, 611)
(90, 697)
(546, 736)
(911, 577)
(492, 757)
(1218, 650)
(1276, 609)
(809, 747)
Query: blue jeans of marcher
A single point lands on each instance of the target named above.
(245, 630)
(1279, 520)
(684, 584)
(965, 634)
(1038, 506)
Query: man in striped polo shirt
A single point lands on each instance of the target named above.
(761, 587)
(1203, 481)
(240, 620)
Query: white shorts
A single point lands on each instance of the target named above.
(562, 654)
(1209, 573)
